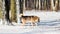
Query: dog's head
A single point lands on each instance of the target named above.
(20, 15)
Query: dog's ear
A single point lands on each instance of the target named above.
(20, 15)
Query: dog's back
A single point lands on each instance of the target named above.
(27, 17)
(30, 18)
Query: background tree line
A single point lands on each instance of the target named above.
(30, 5)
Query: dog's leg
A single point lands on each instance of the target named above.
(36, 24)
(23, 22)
(31, 23)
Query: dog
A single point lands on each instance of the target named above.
(32, 19)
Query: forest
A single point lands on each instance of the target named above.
(8, 8)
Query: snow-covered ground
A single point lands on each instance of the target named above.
(49, 15)
(5, 29)
(49, 24)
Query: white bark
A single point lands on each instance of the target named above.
(39, 4)
(52, 5)
(24, 6)
(4, 12)
(56, 4)
(17, 8)
(36, 3)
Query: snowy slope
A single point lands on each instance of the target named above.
(49, 24)
(49, 15)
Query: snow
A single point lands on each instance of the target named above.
(49, 15)
(49, 24)
(28, 29)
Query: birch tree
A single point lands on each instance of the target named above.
(39, 4)
(56, 5)
(18, 11)
(52, 4)
(24, 5)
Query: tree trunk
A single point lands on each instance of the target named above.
(18, 13)
(24, 5)
(1, 15)
(13, 11)
(59, 4)
(52, 5)
(39, 4)
(56, 5)
(45, 5)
